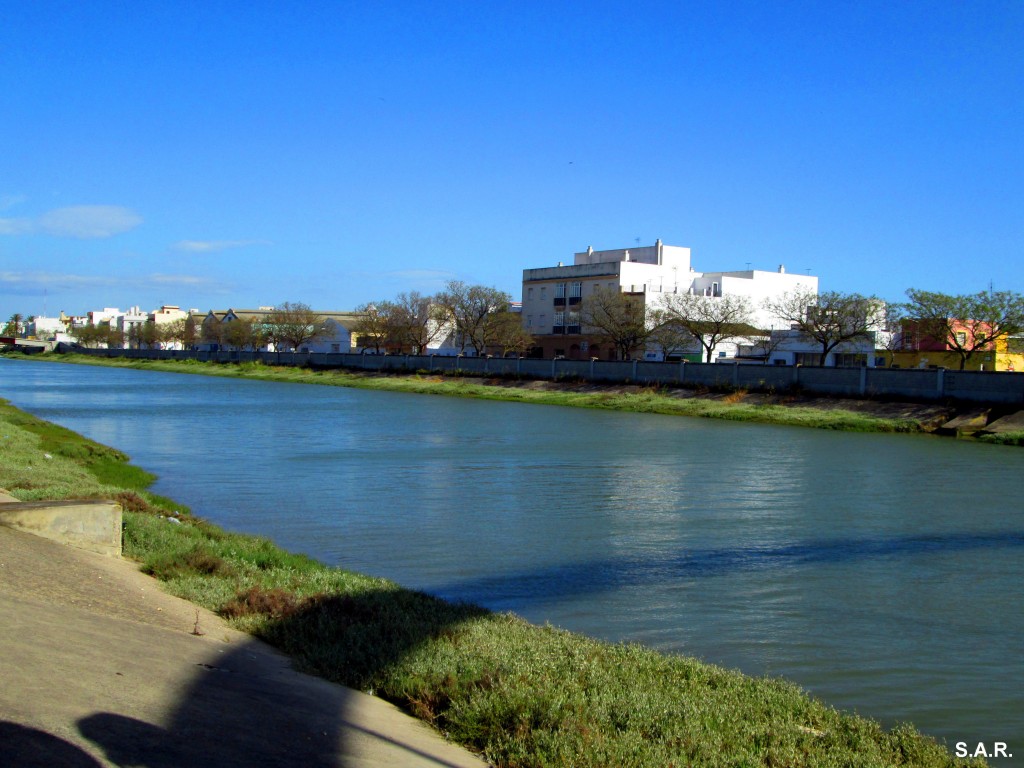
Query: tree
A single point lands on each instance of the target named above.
(146, 334)
(830, 318)
(668, 336)
(294, 324)
(212, 330)
(710, 319)
(507, 333)
(13, 327)
(891, 337)
(469, 309)
(766, 342)
(244, 334)
(99, 335)
(618, 318)
(416, 321)
(376, 326)
(181, 331)
(189, 333)
(969, 323)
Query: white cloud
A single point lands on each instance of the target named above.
(9, 201)
(33, 283)
(15, 226)
(212, 246)
(89, 221)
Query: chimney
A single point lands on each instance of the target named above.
(782, 269)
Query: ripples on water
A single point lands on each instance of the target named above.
(881, 572)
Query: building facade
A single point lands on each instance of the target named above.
(551, 295)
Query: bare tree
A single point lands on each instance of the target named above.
(710, 319)
(469, 309)
(830, 318)
(891, 335)
(417, 321)
(766, 342)
(620, 319)
(294, 324)
(967, 324)
(669, 336)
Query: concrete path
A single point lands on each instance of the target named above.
(99, 667)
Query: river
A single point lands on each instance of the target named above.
(882, 573)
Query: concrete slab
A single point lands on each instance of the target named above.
(101, 668)
(89, 524)
(1014, 422)
(967, 422)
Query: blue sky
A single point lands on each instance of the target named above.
(238, 154)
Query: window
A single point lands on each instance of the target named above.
(559, 294)
(961, 338)
(543, 292)
(559, 319)
(529, 321)
(850, 360)
(575, 293)
(529, 293)
(574, 322)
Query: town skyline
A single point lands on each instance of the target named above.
(243, 157)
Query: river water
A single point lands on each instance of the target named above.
(882, 573)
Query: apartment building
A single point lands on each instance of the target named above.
(551, 295)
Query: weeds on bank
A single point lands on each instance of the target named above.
(520, 694)
(1002, 438)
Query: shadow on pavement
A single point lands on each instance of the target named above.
(247, 708)
(23, 747)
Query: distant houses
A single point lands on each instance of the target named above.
(656, 284)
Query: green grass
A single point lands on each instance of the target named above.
(520, 694)
(1003, 438)
(647, 400)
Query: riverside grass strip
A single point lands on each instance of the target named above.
(519, 694)
(654, 400)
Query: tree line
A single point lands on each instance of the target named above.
(965, 324)
(479, 318)
(463, 316)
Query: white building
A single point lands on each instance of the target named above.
(550, 294)
(40, 327)
(130, 323)
(757, 286)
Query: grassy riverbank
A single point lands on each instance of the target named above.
(520, 694)
(792, 410)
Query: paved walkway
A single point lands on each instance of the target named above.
(99, 667)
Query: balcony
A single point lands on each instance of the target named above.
(559, 301)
